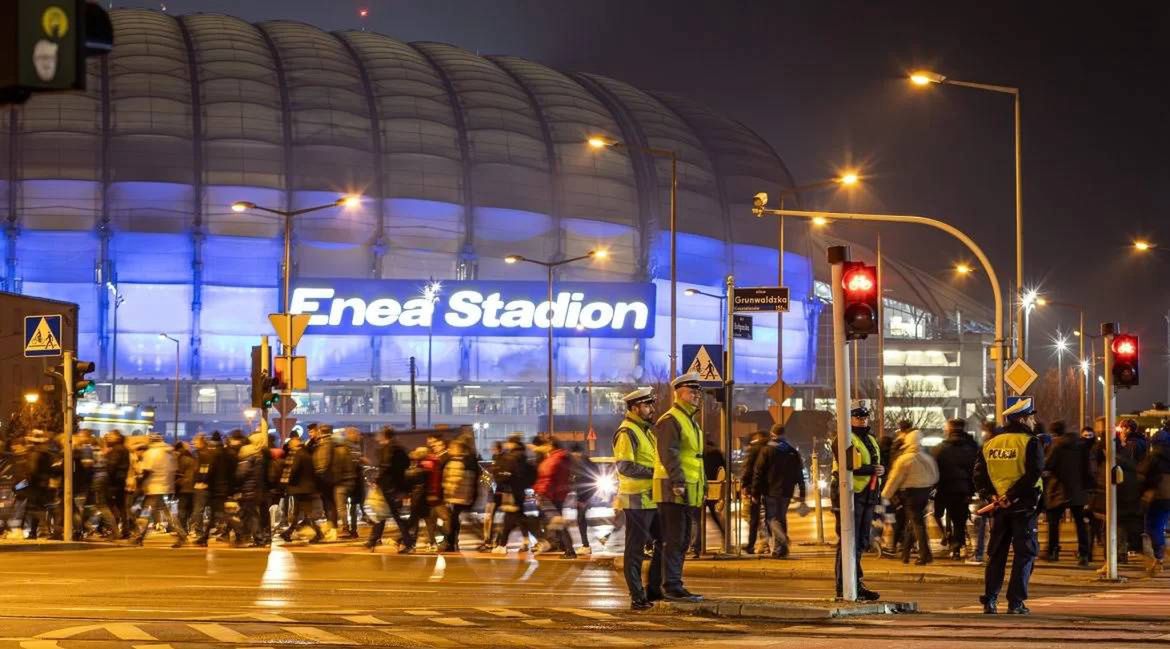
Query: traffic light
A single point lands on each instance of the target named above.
(1125, 360)
(861, 292)
(44, 44)
(271, 391)
(82, 385)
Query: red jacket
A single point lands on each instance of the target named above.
(552, 476)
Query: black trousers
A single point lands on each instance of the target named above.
(914, 503)
(1054, 516)
(957, 509)
(754, 507)
(1015, 531)
(862, 527)
(675, 523)
(642, 528)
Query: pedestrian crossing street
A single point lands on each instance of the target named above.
(446, 628)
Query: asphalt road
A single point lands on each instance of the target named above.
(339, 595)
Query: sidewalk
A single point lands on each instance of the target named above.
(817, 563)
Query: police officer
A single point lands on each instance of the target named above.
(1007, 473)
(634, 456)
(679, 481)
(866, 463)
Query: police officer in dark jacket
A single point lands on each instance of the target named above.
(1008, 474)
(751, 456)
(1066, 476)
(955, 457)
(779, 472)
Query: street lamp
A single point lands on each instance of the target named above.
(963, 269)
(1028, 303)
(549, 266)
(1078, 333)
(118, 300)
(690, 292)
(31, 397)
(598, 142)
(176, 341)
(926, 78)
(1142, 245)
(431, 293)
(1060, 346)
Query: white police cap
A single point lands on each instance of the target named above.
(688, 380)
(638, 396)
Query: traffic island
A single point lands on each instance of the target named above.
(789, 610)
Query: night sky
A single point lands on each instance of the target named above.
(825, 83)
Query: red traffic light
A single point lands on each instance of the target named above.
(859, 280)
(1125, 346)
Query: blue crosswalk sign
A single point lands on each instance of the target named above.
(706, 361)
(42, 335)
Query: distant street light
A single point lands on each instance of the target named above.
(925, 78)
(550, 266)
(31, 397)
(963, 269)
(722, 310)
(599, 142)
(177, 361)
(1142, 246)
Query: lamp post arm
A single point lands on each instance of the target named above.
(951, 230)
(1007, 90)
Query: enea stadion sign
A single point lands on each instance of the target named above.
(392, 307)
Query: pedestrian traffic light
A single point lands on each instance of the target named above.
(270, 392)
(44, 45)
(82, 385)
(1125, 360)
(861, 292)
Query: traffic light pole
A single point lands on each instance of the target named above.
(728, 414)
(760, 210)
(1109, 570)
(67, 497)
(265, 372)
(848, 536)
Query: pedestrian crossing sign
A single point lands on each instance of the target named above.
(706, 361)
(42, 335)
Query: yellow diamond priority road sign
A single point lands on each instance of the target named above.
(1019, 376)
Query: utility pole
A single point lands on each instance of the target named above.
(1109, 570)
(728, 414)
(837, 256)
(413, 395)
(68, 367)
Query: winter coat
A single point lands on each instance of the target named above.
(343, 467)
(1066, 472)
(392, 464)
(779, 471)
(751, 456)
(956, 457)
(914, 468)
(513, 474)
(552, 476)
(222, 472)
(1129, 492)
(250, 473)
(187, 465)
(1154, 472)
(302, 478)
(159, 469)
(117, 465)
(321, 451)
(460, 479)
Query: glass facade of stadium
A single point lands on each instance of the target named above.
(119, 199)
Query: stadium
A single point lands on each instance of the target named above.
(120, 199)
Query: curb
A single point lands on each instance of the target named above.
(789, 611)
(54, 546)
(769, 570)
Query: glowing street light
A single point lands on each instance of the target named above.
(926, 77)
(963, 269)
(1141, 245)
(820, 221)
(31, 397)
(849, 179)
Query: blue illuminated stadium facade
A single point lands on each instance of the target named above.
(462, 160)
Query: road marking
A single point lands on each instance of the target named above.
(584, 612)
(317, 635)
(152, 646)
(423, 639)
(509, 639)
(267, 617)
(364, 619)
(501, 612)
(421, 612)
(69, 631)
(128, 632)
(452, 621)
(39, 644)
(219, 632)
(645, 625)
(539, 622)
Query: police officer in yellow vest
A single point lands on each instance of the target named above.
(1007, 473)
(679, 481)
(865, 460)
(634, 457)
